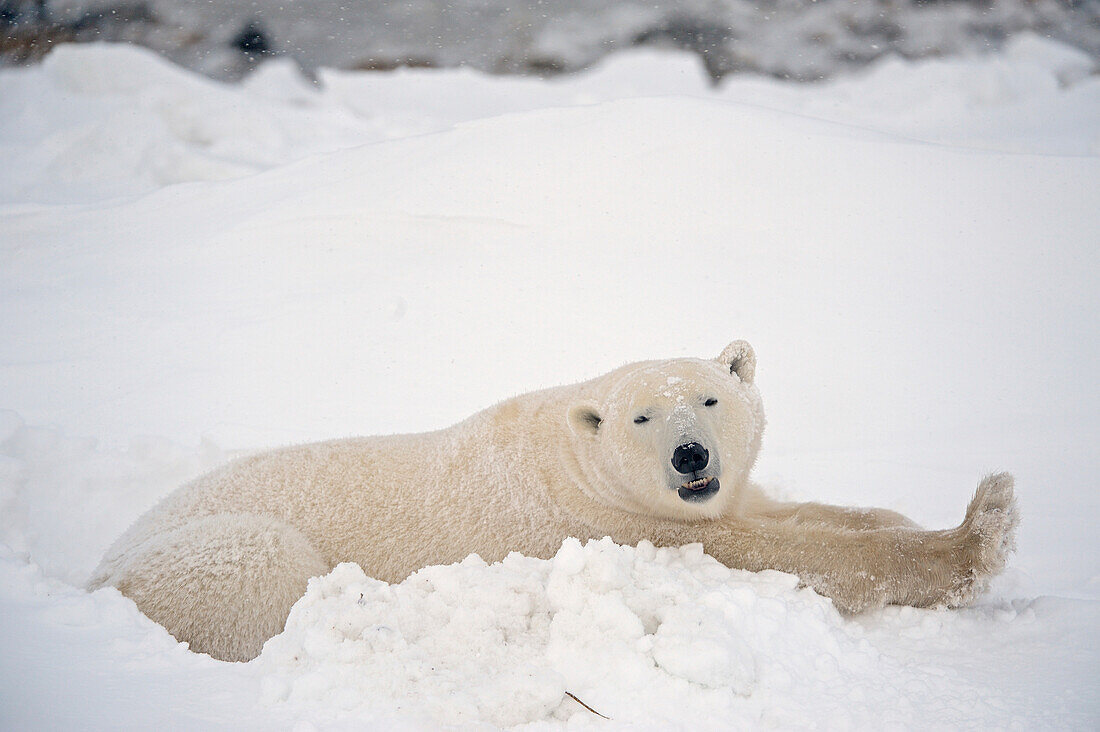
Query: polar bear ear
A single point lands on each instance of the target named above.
(740, 359)
(584, 418)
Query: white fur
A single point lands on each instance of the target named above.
(220, 561)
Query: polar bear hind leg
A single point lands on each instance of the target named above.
(223, 583)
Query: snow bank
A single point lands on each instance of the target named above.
(98, 122)
(651, 638)
(503, 643)
(108, 121)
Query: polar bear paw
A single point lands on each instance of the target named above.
(988, 536)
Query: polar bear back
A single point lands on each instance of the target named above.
(392, 504)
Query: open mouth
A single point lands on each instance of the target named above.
(699, 489)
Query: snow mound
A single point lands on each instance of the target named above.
(101, 121)
(104, 121)
(642, 635)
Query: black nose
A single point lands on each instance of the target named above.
(690, 458)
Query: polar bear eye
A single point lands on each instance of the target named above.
(710, 402)
(641, 419)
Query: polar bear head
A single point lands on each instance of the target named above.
(672, 439)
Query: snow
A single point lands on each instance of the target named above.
(189, 270)
(649, 637)
(92, 125)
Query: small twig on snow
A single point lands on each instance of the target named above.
(570, 695)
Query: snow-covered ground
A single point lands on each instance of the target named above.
(190, 270)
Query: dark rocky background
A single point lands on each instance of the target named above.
(792, 39)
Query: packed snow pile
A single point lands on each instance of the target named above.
(658, 638)
(189, 270)
(471, 642)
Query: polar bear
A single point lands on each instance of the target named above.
(657, 450)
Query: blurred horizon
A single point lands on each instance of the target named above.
(800, 40)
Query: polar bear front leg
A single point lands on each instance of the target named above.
(861, 569)
(757, 504)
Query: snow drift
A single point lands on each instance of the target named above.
(649, 637)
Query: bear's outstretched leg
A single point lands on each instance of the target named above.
(224, 583)
(756, 504)
(864, 568)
